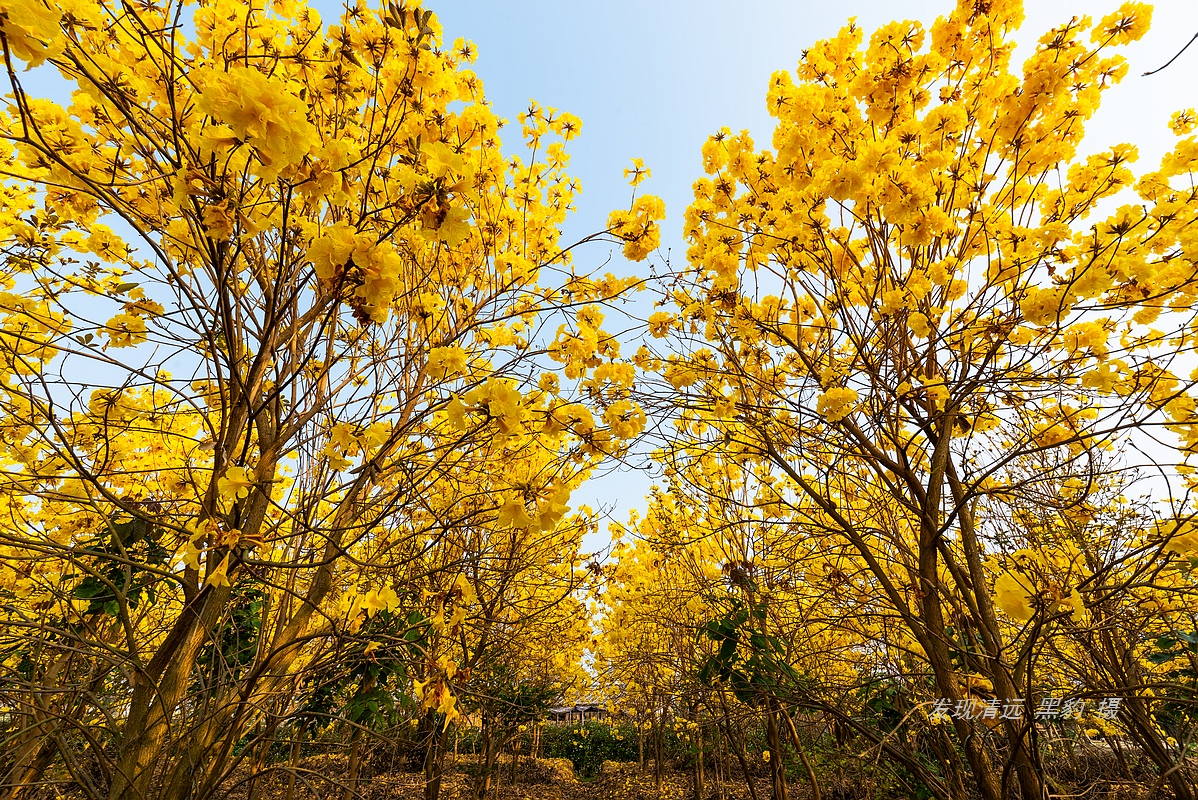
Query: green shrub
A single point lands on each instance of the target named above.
(588, 744)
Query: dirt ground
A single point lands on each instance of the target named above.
(322, 777)
(545, 779)
(554, 779)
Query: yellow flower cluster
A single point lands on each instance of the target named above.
(638, 227)
(256, 109)
(31, 30)
(836, 403)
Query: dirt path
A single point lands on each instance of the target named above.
(543, 780)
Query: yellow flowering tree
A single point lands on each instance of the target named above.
(918, 288)
(646, 656)
(272, 313)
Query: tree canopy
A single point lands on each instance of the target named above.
(299, 382)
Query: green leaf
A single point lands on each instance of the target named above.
(89, 587)
(1161, 658)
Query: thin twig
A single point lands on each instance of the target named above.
(1179, 52)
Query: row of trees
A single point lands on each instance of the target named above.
(929, 378)
(286, 434)
(298, 382)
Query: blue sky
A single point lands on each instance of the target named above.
(654, 79)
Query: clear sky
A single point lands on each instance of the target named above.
(654, 79)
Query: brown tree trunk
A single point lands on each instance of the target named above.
(266, 740)
(515, 757)
(1019, 741)
(296, 744)
(434, 758)
(28, 768)
(36, 745)
(816, 794)
(657, 737)
(491, 747)
(350, 788)
(157, 693)
(736, 748)
(777, 768)
(935, 642)
(640, 747)
(1172, 772)
(723, 765)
